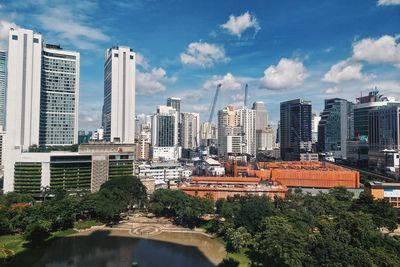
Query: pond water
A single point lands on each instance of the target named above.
(101, 248)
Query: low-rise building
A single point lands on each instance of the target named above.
(380, 190)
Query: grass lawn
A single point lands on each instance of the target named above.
(87, 224)
(239, 256)
(15, 252)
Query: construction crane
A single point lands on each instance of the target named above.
(246, 90)
(214, 103)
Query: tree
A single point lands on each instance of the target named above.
(37, 232)
(229, 262)
(278, 244)
(237, 238)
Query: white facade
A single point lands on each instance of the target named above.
(265, 139)
(261, 115)
(23, 94)
(164, 127)
(165, 153)
(190, 130)
(119, 95)
(247, 120)
(161, 171)
(314, 127)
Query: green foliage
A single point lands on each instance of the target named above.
(237, 238)
(186, 210)
(229, 262)
(37, 232)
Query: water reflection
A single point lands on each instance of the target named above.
(100, 249)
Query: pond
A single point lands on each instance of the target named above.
(103, 248)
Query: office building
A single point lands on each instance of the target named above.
(164, 127)
(2, 133)
(363, 106)
(247, 121)
(261, 115)
(59, 96)
(119, 95)
(175, 103)
(384, 137)
(3, 87)
(265, 139)
(295, 128)
(190, 130)
(314, 127)
(335, 127)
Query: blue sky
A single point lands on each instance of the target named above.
(283, 49)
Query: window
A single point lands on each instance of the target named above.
(115, 55)
(15, 37)
(35, 40)
(131, 57)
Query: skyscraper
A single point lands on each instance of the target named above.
(190, 130)
(119, 95)
(164, 127)
(295, 128)
(335, 127)
(3, 87)
(261, 115)
(42, 97)
(59, 101)
(175, 103)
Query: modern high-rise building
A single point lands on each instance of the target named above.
(384, 137)
(363, 106)
(265, 139)
(42, 97)
(59, 96)
(119, 95)
(165, 127)
(236, 131)
(295, 128)
(3, 87)
(190, 130)
(174, 102)
(23, 88)
(261, 115)
(314, 127)
(335, 127)
(247, 120)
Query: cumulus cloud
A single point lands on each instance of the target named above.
(345, 70)
(152, 82)
(382, 50)
(203, 55)
(142, 61)
(4, 31)
(237, 25)
(228, 82)
(287, 74)
(332, 91)
(200, 108)
(388, 2)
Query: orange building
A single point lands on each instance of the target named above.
(222, 187)
(380, 190)
(313, 174)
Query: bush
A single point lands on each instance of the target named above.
(36, 233)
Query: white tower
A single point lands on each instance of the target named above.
(119, 95)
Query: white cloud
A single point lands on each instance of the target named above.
(200, 108)
(4, 31)
(382, 50)
(203, 54)
(345, 70)
(333, 90)
(387, 86)
(287, 74)
(142, 61)
(228, 82)
(152, 82)
(237, 25)
(388, 2)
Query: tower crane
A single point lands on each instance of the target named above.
(246, 90)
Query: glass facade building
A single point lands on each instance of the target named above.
(59, 97)
(295, 128)
(3, 87)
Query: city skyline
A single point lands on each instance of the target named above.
(277, 49)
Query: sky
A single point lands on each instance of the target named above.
(283, 50)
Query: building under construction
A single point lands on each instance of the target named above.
(271, 179)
